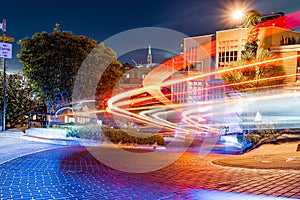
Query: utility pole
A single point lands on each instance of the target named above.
(5, 52)
(4, 79)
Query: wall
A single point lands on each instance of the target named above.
(200, 50)
(275, 36)
(289, 64)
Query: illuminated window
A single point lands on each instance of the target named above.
(228, 52)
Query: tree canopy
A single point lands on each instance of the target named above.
(51, 62)
(107, 83)
(251, 19)
(68, 70)
(20, 99)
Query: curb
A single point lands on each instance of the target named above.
(57, 141)
(64, 142)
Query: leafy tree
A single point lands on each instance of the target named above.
(20, 100)
(250, 21)
(94, 68)
(51, 62)
(108, 82)
(251, 18)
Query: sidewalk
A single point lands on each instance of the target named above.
(13, 145)
(50, 136)
(284, 153)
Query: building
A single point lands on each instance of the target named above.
(149, 57)
(282, 42)
(229, 46)
(292, 65)
(134, 77)
(285, 44)
(200, 55)
(209, 54)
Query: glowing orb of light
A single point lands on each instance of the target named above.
(237, 15)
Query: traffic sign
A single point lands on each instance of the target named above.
(7, 39)
(5, 50)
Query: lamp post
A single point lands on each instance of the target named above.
(5, 52)
(4, 78)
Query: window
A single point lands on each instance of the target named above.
(196, 91)
(191, 53)
(199, 66)
(228, 52)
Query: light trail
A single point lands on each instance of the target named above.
(130, 115)
(187, 114)
(194, 115)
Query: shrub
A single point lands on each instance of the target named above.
(92, 132)
(104, 133)
(266, 128)
(72, 132)
(117, 135)
(129, 127)
(253, 138)
(240, 137)
(261, 131)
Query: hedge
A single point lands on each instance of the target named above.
(115, 135)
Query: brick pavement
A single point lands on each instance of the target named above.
(73, 173)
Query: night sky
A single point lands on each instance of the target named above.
(102, 19)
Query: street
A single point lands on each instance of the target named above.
(73, 173)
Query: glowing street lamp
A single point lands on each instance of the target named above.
(237, 15)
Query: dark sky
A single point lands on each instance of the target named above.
(102, 19)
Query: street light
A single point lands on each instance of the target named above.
(237, 16)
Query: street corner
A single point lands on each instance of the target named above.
(282, 153)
